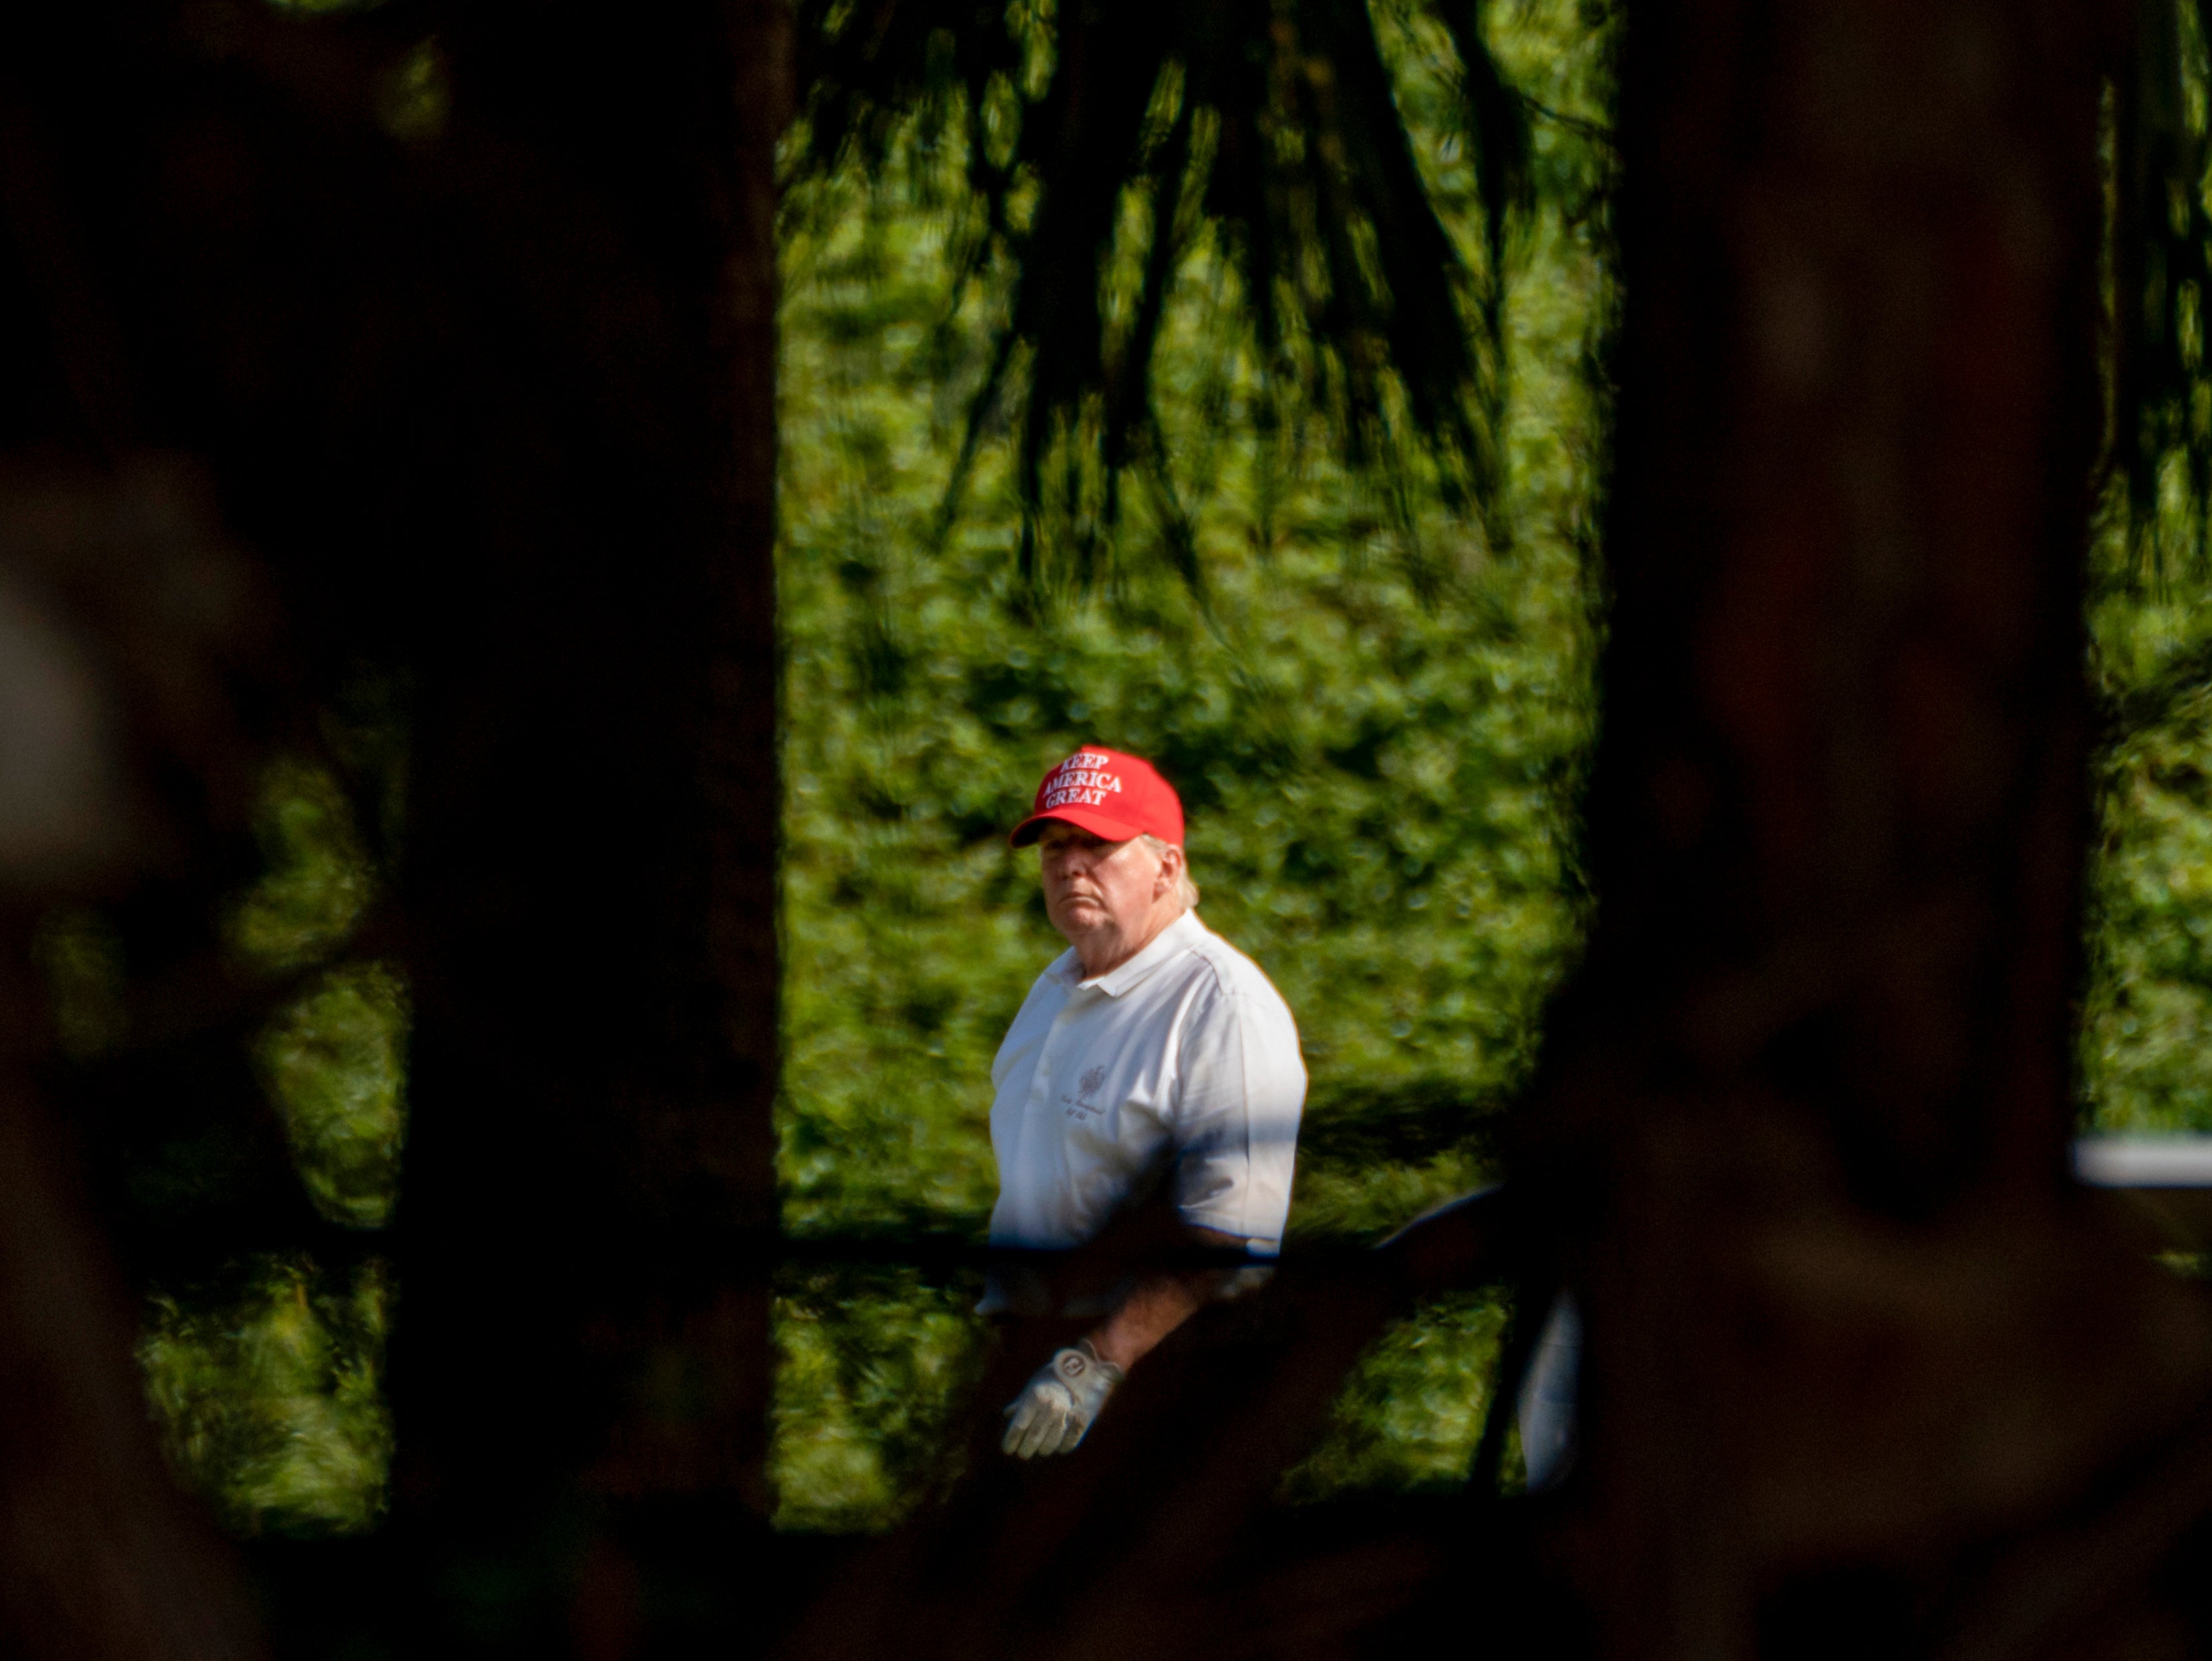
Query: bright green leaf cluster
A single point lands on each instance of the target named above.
(872, 1366)
(335, 1063)
(2146, 1042)
(269, 1396)
(1411, 1413)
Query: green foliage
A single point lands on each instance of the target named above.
(1411, 1413)
(872, 1364)
(269, 1399)
(266, 1388)
(2145, 1039)
(2147, 1018)
(333, 1058)
(318, 881)
(2160, 268)
(335, 1063)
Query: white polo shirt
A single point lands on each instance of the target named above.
(1185, 1054)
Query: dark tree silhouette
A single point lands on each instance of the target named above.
(465, 315)
(1275, 126)
(1854, 1333)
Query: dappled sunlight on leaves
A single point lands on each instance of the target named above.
(268, 1395)
(2146, 1045)
(335, 1062)
(317, 881)
(1411, 1413)
(872, 1368)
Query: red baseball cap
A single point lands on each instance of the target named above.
(1108, 794)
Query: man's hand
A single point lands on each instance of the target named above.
(1056, 1407)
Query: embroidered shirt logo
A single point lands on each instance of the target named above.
(1080, 1108)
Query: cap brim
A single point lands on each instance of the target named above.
(1083, 818)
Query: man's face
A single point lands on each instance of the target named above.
(1092, 885)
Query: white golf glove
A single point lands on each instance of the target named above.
(1058, 1404)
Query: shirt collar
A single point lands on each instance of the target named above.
(1176, 937)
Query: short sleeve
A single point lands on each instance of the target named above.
(1243, 1086)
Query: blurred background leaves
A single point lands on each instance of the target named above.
(1377, 720)
(1375, 708)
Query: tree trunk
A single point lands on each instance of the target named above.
(1849, 1321)
(582, 1339)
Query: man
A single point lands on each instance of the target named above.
(1152, 1052)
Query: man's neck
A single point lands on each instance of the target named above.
(1112, 953)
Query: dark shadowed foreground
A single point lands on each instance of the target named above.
(455, 324)
(1864, 1360)
(127, 637)
(429, 350)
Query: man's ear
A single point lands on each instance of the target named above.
(1170, 868)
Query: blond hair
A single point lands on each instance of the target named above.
(1186, 889)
